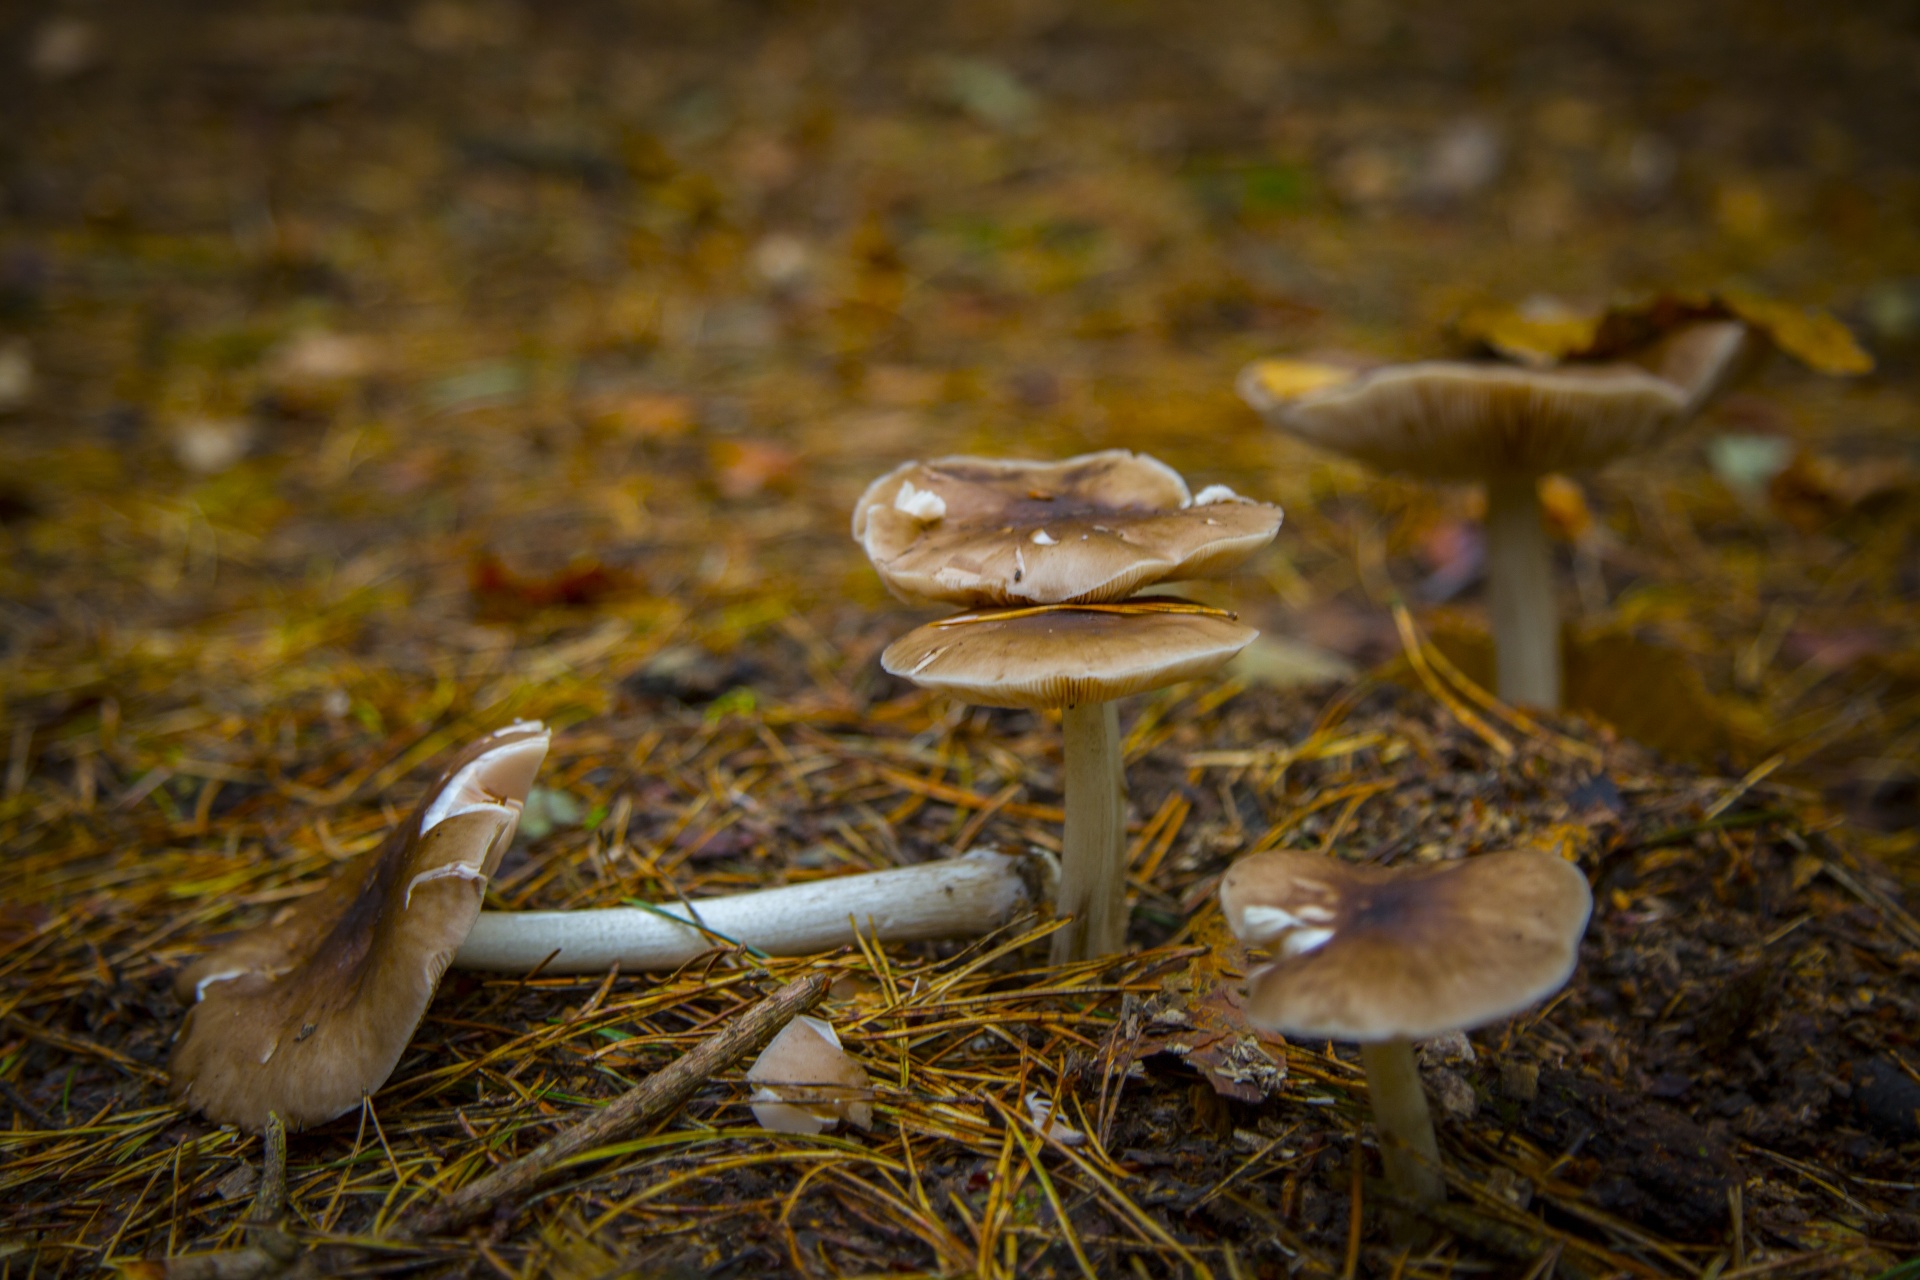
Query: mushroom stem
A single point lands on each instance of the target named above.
(1526, 619)
(1405, 1126)
(1093, 852)
(956, 897)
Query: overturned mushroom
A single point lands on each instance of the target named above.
(1387, 956)
(311, 1011)
(953, 898)
(1078, 658)
(804, 1082)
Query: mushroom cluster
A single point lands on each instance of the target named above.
(1043, 559)
(1506, 426)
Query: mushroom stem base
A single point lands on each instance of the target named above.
(1526, 618)
(1093, 855)
(1400, 1115)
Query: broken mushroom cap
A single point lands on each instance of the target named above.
(1069, 656)
(307, 1013)
(982, 531)
(1371, 954)
(1458, 421)
(806, 1083)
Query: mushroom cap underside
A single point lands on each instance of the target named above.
(1463, 421)
(1063, 657)
(1370, 954)
(305, 1014)
(985, 532)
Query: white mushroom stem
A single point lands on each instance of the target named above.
(1526, 619)
(954, 898)
(1093, 851)
(1405, 1126)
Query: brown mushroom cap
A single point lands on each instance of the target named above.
(1457, 421)
(1373, 953)
(310, 1011)
(1065, 657)
(983, 531)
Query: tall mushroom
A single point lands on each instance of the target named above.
(311, 1011)
(1386, 956)
(1506, 427)
(1045, 554)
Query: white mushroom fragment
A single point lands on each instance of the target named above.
(805, 1083)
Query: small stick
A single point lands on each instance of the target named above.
(19, 1101)
(632, 1111)
(270, 1200)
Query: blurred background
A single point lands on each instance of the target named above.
(358, 360)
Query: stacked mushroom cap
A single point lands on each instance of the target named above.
(996, 535)
(1373, 954)
(309, 1012)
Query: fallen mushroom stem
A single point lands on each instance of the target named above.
(1407, 1145)
(953, 898)
(1526, 618)
(1093, 873)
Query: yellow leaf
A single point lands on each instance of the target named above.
(1528, 336)
(1808, 334)
(1282, 380)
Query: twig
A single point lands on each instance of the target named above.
(270, 1201)
(633, 1110)
(24, 1105)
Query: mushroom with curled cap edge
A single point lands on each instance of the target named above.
(311, 1011)
(1386, 956)
(1077, 658)
(1505, 426)
(1046, 553)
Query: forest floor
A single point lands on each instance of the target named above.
(372, 375)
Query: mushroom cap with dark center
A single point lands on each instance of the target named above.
(1451, 420)
(1064, 657)
(984, 531)
(1404, 953)
(310, 1011)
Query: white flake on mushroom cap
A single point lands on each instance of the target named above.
(921, 504)
(1215, 493)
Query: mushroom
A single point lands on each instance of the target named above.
(981, 532)
(311, 1011)
(951, 898)
(1386, 956)
(1507, 427)
(1044, 550)
(806, 1083)
(1077, 658)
